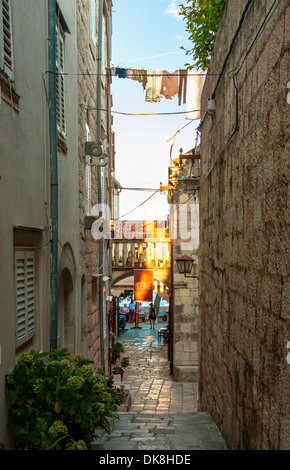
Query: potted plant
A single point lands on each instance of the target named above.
(129, 262)
(144, 263)
(121, 261)
(136, 263)
(125, 362)
(117, 350)
(160, 263)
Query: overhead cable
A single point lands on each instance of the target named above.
(137, 207)
(87, 108)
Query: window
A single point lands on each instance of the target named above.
(88, 176)
(93, 21)
(6, 44)
(60, 89)
(104, 45)
(25, 295)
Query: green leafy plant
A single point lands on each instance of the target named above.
(125, 362)
(117, 349)
(202, 23)
(58, 404)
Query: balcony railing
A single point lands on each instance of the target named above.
(145, 253)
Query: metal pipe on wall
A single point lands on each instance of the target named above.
(100, 201)
(53, 167)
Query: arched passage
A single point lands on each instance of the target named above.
(66, 300)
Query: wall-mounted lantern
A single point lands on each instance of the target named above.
(184, 265)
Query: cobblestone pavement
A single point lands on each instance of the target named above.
(163, 413)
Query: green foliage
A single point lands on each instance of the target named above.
(117, 349)
(58, 404)
(202, 22)
(125, 362)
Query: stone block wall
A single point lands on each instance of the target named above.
(89, 249)
(185, 242)
(244, 229)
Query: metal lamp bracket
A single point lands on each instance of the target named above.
(100, 161)
(95, 151)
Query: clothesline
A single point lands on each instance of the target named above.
(122, 72)
(185, 84)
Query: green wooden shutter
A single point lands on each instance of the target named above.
(25, 295)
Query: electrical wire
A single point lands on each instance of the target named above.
(138, 205)
(177, 132)
(266, 19)
(141, 189)
(137, 114)
(109, 74)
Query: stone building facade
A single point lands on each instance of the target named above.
(26, 202)
(94, 38)
(244, 228)
(184, 203)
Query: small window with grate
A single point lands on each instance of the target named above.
(6, 42)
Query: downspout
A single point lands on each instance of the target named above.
(112, 304)
(53, 167)
(171, 310)
(100, 201)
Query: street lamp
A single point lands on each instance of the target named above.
(184, 265)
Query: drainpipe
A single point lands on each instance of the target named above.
(171, 310)
(53, 167)
(100, 201)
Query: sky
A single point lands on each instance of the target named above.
(147, 35)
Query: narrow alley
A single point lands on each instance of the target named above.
(163, 413)
(144, 177)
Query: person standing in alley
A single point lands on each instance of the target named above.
(125, 312)
(152, 316)
(132, 311)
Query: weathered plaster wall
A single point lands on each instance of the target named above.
(244, 234)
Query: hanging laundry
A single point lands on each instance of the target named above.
(169, 88)
(144, 78)
(153, 87)
(140, 76)
(194, 88)
(182, 86)
(121, 73)
(129, 73)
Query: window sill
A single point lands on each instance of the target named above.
(8, 92)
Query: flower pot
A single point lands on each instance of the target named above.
(119, 373)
